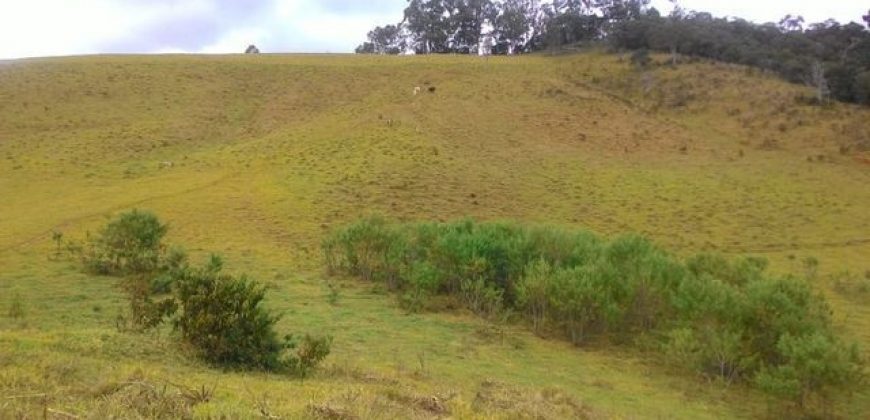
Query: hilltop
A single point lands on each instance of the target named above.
(257, 157)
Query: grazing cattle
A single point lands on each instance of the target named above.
(416, 90)
(166, 164)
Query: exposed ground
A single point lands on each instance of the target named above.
(255, 157)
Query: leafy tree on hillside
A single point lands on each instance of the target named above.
(513, 24)
(819, 82)
(132, 243)
(621, 10)
(385, 40)
(569, 22)
(365, 48)
(670, 32)
(428, 26)
(792, 23)
(469, 19)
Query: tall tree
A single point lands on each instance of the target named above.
(818, 82)
(792, 23)
(468, 18)
(621, 10)
(517, 23)
(674, 30)
(427, 26)
(386, 39)
(365, 48)
(572, 21)
(578, 7)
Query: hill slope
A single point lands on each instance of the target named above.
(255, 157)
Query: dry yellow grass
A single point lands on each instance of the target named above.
(268, 152)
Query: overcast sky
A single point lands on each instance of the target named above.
(66, 27)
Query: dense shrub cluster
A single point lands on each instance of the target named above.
(728, 319)
(219, 315)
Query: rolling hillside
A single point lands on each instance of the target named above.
(257, 157)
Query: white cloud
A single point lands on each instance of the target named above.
(66, 27)
(59, 27)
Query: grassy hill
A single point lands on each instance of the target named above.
(257, 157)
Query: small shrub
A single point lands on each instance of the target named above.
(422, 283)
(309, 353)
(722, 354)
(222, 317)
(16, 307)
(171, 267)
(144, 312)
(482, 298)
(683, 348)
(57, 238)
(129, 244)
(852, 286)
(811, 268)
(533, 292)
(333, 292)
(814, 366)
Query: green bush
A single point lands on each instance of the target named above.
(813, 367)
(422, 283)
(364, 249)
(308, 354)
(533, 292)
(129, 244)
(145, 312)
(222, 317)
(16, 307)
(727, 319)
(582, 301)
(171, 267)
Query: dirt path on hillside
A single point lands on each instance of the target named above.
(68, 222)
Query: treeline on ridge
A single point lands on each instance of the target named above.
(725, 319)
(832, 57)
